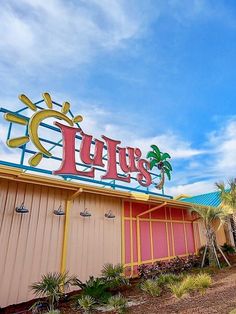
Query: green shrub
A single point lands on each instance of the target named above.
(228, 249)
(97, 288)
(151, 287)
(202, 282)
(118, 303)
(114, 275)
(168, 279)
(178, 290)
(198, 282)
(51, 286)
(86, 303)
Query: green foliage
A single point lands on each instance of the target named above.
(118, 303)
(202, 282)
(228, 196)
(157, 158)
(178, 290)
(114, 275)
(168, 279)
(86, 302)
(151, 287)
(51, 286)
(97, 288)
(228, 249)
(198, 282)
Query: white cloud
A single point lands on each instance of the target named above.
(45, 33)
(191, 189)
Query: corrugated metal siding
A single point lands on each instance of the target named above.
(31, 244)
(209, 199)
(96, 240)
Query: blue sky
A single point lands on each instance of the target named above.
(141, 71)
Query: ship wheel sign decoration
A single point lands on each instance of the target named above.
(159, 159)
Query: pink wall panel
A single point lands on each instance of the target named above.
(145, 240)
(138, 208)
(135, 246)
(127, 242)
(127, 209)
(176, 213)
(159, 213)
(160, 246)
(179, 241)
(167, 213)
(190, 237)
(170, 238)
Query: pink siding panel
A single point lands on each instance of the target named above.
(176, 213)
(179, 241)
(145, 240)
(190, 238)
(158, 214)
(138, 208)
(170, 238)
(160, 248)
(127, 242)
(127, 209)
(135, 245)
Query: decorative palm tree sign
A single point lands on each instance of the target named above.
(75, 154)
(159, 159)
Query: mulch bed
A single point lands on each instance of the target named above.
(219, 298)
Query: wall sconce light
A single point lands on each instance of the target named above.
(59, 211)
(110, 215)
(22, 209)
(85, 213)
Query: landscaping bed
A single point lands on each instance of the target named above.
(220, 297)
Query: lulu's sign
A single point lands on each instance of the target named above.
(128, 159)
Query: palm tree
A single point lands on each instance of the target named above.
(51, 286)
(159, 159)
(228, 201)
(209, 215)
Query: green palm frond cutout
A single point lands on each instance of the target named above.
(159, 160)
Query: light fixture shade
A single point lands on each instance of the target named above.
(110, 215)
(22, 209)
(85, 213)
(59, 211)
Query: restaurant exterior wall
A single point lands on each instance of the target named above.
(39, 242)
(32, 244)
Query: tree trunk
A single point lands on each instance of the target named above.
(227, 231)
(211, 246)
(160, 185)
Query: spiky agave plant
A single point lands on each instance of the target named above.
(118, 303)
(51, 286)
(86, 302)
(159, 159)
(114, 275)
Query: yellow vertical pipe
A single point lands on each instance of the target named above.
(66, 235)
(131, 239)
(123, 234)
(151, 237)
(138, 241)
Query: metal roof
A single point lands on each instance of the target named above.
(208, 199)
